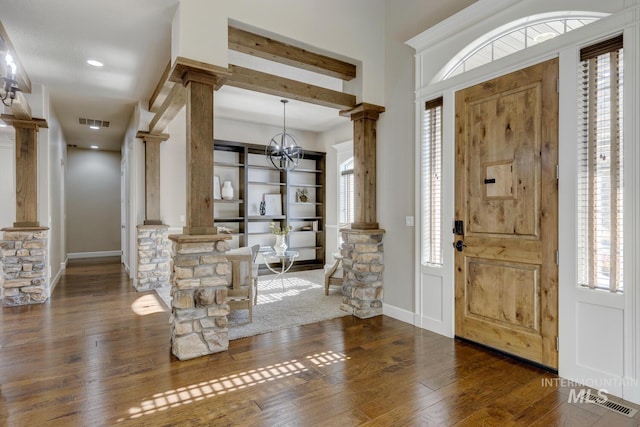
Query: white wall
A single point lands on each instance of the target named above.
(396, 149)
(93, 202)
(38, 99)
(352, 29)
(7, 178)
(51, 159)
(56, 195)
(370, 32)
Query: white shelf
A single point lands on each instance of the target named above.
(253, 177)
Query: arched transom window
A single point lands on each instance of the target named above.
(513, 37)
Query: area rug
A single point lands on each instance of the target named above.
(301, 302)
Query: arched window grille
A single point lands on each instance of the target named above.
(513, 37)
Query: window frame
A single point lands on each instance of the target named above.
(346, 172)
(457, 66)
(600, 177)
(431, 162)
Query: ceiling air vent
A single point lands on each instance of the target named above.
(93, 122)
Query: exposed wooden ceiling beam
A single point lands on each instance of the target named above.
(173, 103)
(212, 74)
(257, 81)
(24, 83)
(11, 119)
(264, 47)
(161, 91)
(176, 98)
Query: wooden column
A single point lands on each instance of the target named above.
(200, 81)
(26, 170)
(364, 117)
(152, 175)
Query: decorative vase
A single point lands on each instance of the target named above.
(281, 245)
(227, 190)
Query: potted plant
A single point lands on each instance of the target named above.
(281, 233)
(301, 195)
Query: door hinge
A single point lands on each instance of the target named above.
(557, 343)
(557, 171)
(557, 257)
(558, 85)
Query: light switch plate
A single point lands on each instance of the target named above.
(408, 221)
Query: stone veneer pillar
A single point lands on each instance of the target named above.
(199, 309)
(24, 266)
(154, 257)
(363, 264)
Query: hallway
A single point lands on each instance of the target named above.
(98, 354)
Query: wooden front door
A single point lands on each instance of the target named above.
(506, 274)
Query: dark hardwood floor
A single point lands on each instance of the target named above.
(97, 353)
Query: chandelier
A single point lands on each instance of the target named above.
(283, 152)
(9, 84)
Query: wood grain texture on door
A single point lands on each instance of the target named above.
(506, 276)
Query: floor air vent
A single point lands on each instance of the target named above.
(612, 406)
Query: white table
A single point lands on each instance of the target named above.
(285, 260)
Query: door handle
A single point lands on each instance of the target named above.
(459, 245)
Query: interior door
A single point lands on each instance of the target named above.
(506, 276)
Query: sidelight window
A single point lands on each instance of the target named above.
(431, 168)
(346, 193)
(600, 167)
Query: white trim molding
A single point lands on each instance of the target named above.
(80, 255)
(55, 280)
(399, 314)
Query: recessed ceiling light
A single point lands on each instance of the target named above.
(544, 37)
(94, 63)
(94, 127)
(94, 147)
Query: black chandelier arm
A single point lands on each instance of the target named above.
(10, 87)
(4, 100)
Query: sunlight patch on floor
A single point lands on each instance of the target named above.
(147, 304)
(327, 358)
(270, 290)
(219, 386)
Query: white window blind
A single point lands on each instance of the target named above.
(346, 193)
(432, 183)
(600, 167)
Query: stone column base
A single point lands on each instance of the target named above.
(25, 269)
(154, 257)
(363, 264)
(199, 309)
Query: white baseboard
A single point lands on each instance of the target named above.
(54, 282)
(77, 255)
(432, 325)
(398, 313)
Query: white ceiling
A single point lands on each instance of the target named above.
(53, 39)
